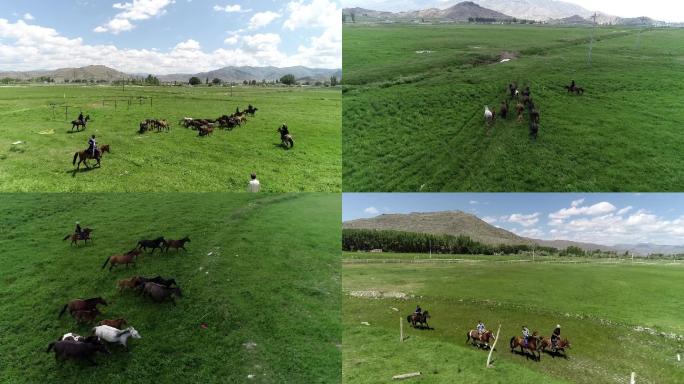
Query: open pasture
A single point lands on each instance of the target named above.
(177, 160)
(260, 287)
(619, 318)
(414, 99)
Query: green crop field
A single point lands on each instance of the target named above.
(620, 318)
(414, 97)
(174, 161)
(262, 271)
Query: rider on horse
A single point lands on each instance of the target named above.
(572, 85)
(237, 111)
(78, 230)
(80, 118)
(555, 336)
(283, 131)
(526, 334)
(480, 327)
(92, 146)
(418, 311)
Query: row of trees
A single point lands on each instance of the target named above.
(288, 79)
(494, 20)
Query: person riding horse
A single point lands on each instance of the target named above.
(418, 310)
(480, 327)
(80, 118)
(78, 231)
(92, 147)
(237, 111)
(555, 336)
(526, 334)
(572, 86)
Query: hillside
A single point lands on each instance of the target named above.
(458, 12)
(91, 72)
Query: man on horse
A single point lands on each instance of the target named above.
(418, 310)
(526, 334)
(572, 86)
(237, 111)
(480, 327)
(78, 231)
(92, 147)
(555, 336)
(80, 118)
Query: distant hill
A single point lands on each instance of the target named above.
(459, 223)
(458, 12)
(229, 74)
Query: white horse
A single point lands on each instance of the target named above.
(488, 115)
(114, 335)
(73, 336)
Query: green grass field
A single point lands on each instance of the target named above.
(414, 121)
(261, 269)
(599, 307)
(175, 161)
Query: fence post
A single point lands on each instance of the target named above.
(401, 330)
(632, 379)
(491, 349)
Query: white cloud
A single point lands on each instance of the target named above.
(524, 220)
(321, 50)
(232, 40)
(371, 210)
(576, 203)
(489, 219)
(473, 202)
(237, 8)
(624, 210)
(137, 10)
(529, 232)
(262, 19)
(28, 16)
(317, 13)
(575, 210)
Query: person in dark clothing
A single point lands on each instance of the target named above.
(80, 117)
(555, 336)
(92, 146)
(418, 310)
(78, 230)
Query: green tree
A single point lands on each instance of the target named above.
(288, 79)
(195, 80)
(217, 81)
(333, 81)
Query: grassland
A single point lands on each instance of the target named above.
(174, 161)
(413, 121)
(259, 269)
(600, 308)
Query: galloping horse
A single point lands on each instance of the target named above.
(418, 318)
(83, 156)
(561, 345)
(82, 305)
(78, 123)
(154, 244)
(576, 89)
(532, 345)
(488, 115)
(127, 258)
(480, 340)
(176, 244)
(159, 292)
(75, 237)
(251, 110)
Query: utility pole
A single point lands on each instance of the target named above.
(591, 42)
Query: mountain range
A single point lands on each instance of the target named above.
(227, 74)
(461, 223)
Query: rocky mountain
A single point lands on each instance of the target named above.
(229, 74)
(648, 248)
(459, 223)
(458, 12)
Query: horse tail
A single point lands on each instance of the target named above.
(106, 261)
(63, 310)
(66, 237)
(73, 162)
(512, 340)
(50, 347)
(467, 337)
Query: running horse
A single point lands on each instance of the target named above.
(419, 318)
(80, 305)
(127, 258)
(532, 345)
(83, 156)
(78, 123)
(561, 345)
(75, 237)
(480, 340)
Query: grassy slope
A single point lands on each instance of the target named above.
(598, 306)
(415, 124)
(175, 161)
(272, 278)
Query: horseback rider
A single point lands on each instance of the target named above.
(237, 111)
(78, 230)
(250, 107)
(284, 131)
(92, 146)
(80, 118)
(418, 310)
(526, 92)
(555, 336)
(572, 85)
(526, 334)
(480, 327)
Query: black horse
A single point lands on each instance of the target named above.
(251, 110)
(79, 123)
(159, 242)
(534, 130)
(419, 318)
(157, 279)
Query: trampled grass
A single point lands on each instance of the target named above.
(598, 306)
(174, 161)
(260, 269)
(414, 121)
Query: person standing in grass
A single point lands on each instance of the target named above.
(254, 185)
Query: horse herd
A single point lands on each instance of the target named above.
(524, 102)
(114, 331)
(151, 124)
(535, 344)
(206, 127)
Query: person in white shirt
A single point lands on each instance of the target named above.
(254, 184)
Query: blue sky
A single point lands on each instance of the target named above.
(603, 218)
(166, 36)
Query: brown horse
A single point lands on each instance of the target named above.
(83, 156)
(480, 340)
(561, 345)
(176, 244)
(86, 316)
(79, 123)
(116, 323)
(131, 283)
(82, 305)
(419, 318)
(519, 109)
(126, 258)
(75, 237)
(205, 130)
(160, 292)
(532, 345)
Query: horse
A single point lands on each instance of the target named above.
(114, 335)
(532, 346)
(130, 283)
(513, 89)
(163, 124)
(86, 316)
(287, 141)
(75, 237)
(519, 109)
(160, 292)
(419, 318)
(480, 340)
(503, 110)
(576, 89)
(176, 244)
(154, 244)
(77, 350)
(561, 345)
(533, 112)
(534, 130)
(205, 130)
(82, 305)
(251, 110)
(158, 280)
(78, 123)
(488, 115)
(83, 156)
(72, 337)
(116, 323)
(127, 258)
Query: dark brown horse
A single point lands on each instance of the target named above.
(503, 109)
(75, 237)
(83, 156)
(116, 323)
(532, 345)
(77, 350)
(561, 345)
(519, 109)
(176, 244)
(79, 123)
(86, 316)
(205, 130)
(480, 340)
(160, 292)
(154, 244)
(575, 89)
(419, 318)
(126, 258)
(82, 305)
(131, 283)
